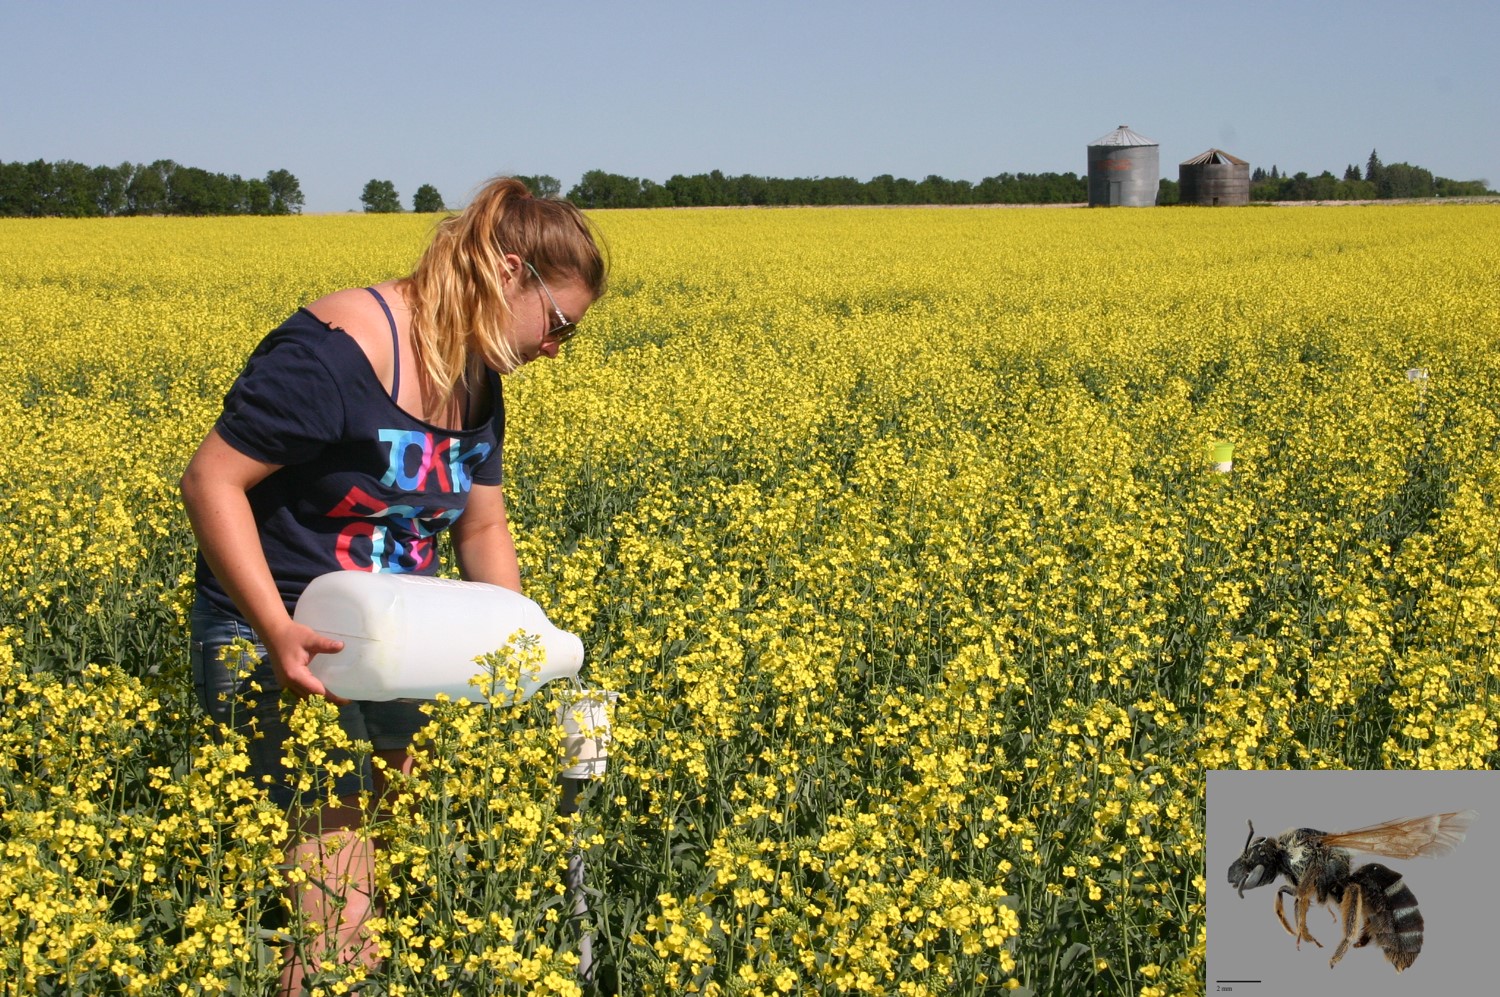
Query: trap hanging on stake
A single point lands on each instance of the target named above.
(1418, 376)
(1221, 453)
(584, 716)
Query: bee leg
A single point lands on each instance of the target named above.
(1353, 909)
(1299, 911)
(1280, 914)
(1304, 903)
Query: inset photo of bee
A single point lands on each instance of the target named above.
(1352, 882)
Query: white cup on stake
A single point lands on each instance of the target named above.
(584, 715)
(1418, 377)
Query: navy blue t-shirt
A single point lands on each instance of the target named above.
(364, 486)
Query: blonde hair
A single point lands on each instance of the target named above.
(455, 292)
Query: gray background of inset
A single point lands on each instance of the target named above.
(1457, 894)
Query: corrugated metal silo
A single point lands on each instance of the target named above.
(1214, 178)
(1124, 170)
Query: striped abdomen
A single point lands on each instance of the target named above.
(1391, 917)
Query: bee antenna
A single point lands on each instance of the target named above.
(1249, 836)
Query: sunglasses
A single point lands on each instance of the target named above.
(565, 329)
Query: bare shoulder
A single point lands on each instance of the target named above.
(355, 312)
(354, 309)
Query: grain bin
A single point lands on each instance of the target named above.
(1124, 170)
(1214, 179)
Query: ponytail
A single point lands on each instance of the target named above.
(456, 291)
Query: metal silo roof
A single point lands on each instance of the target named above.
(1214, 157)
(1123, 136)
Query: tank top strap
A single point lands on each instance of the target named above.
(395, 345)
(497, 397)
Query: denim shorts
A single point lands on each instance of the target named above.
(233, 701)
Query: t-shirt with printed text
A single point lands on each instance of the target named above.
(363, 485)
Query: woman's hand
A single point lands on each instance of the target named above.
(215, 491)
(292, 649)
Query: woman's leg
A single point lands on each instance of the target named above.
(337, 896)
(334, 899)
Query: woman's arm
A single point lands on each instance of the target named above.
(214, 490)
(481, 539)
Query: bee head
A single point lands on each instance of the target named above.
(1256, 866)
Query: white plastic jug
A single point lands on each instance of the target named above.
(414, 636)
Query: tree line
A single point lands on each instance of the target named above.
(1379, 181)
(599, 189)
(164, 188)
(74, 190)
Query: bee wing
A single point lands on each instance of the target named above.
(1408, 837)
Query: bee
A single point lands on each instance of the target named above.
(1373, 902)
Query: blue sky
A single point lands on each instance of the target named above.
(451, 93)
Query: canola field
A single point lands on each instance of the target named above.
(899, 534)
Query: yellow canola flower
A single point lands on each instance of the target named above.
(900, 533)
